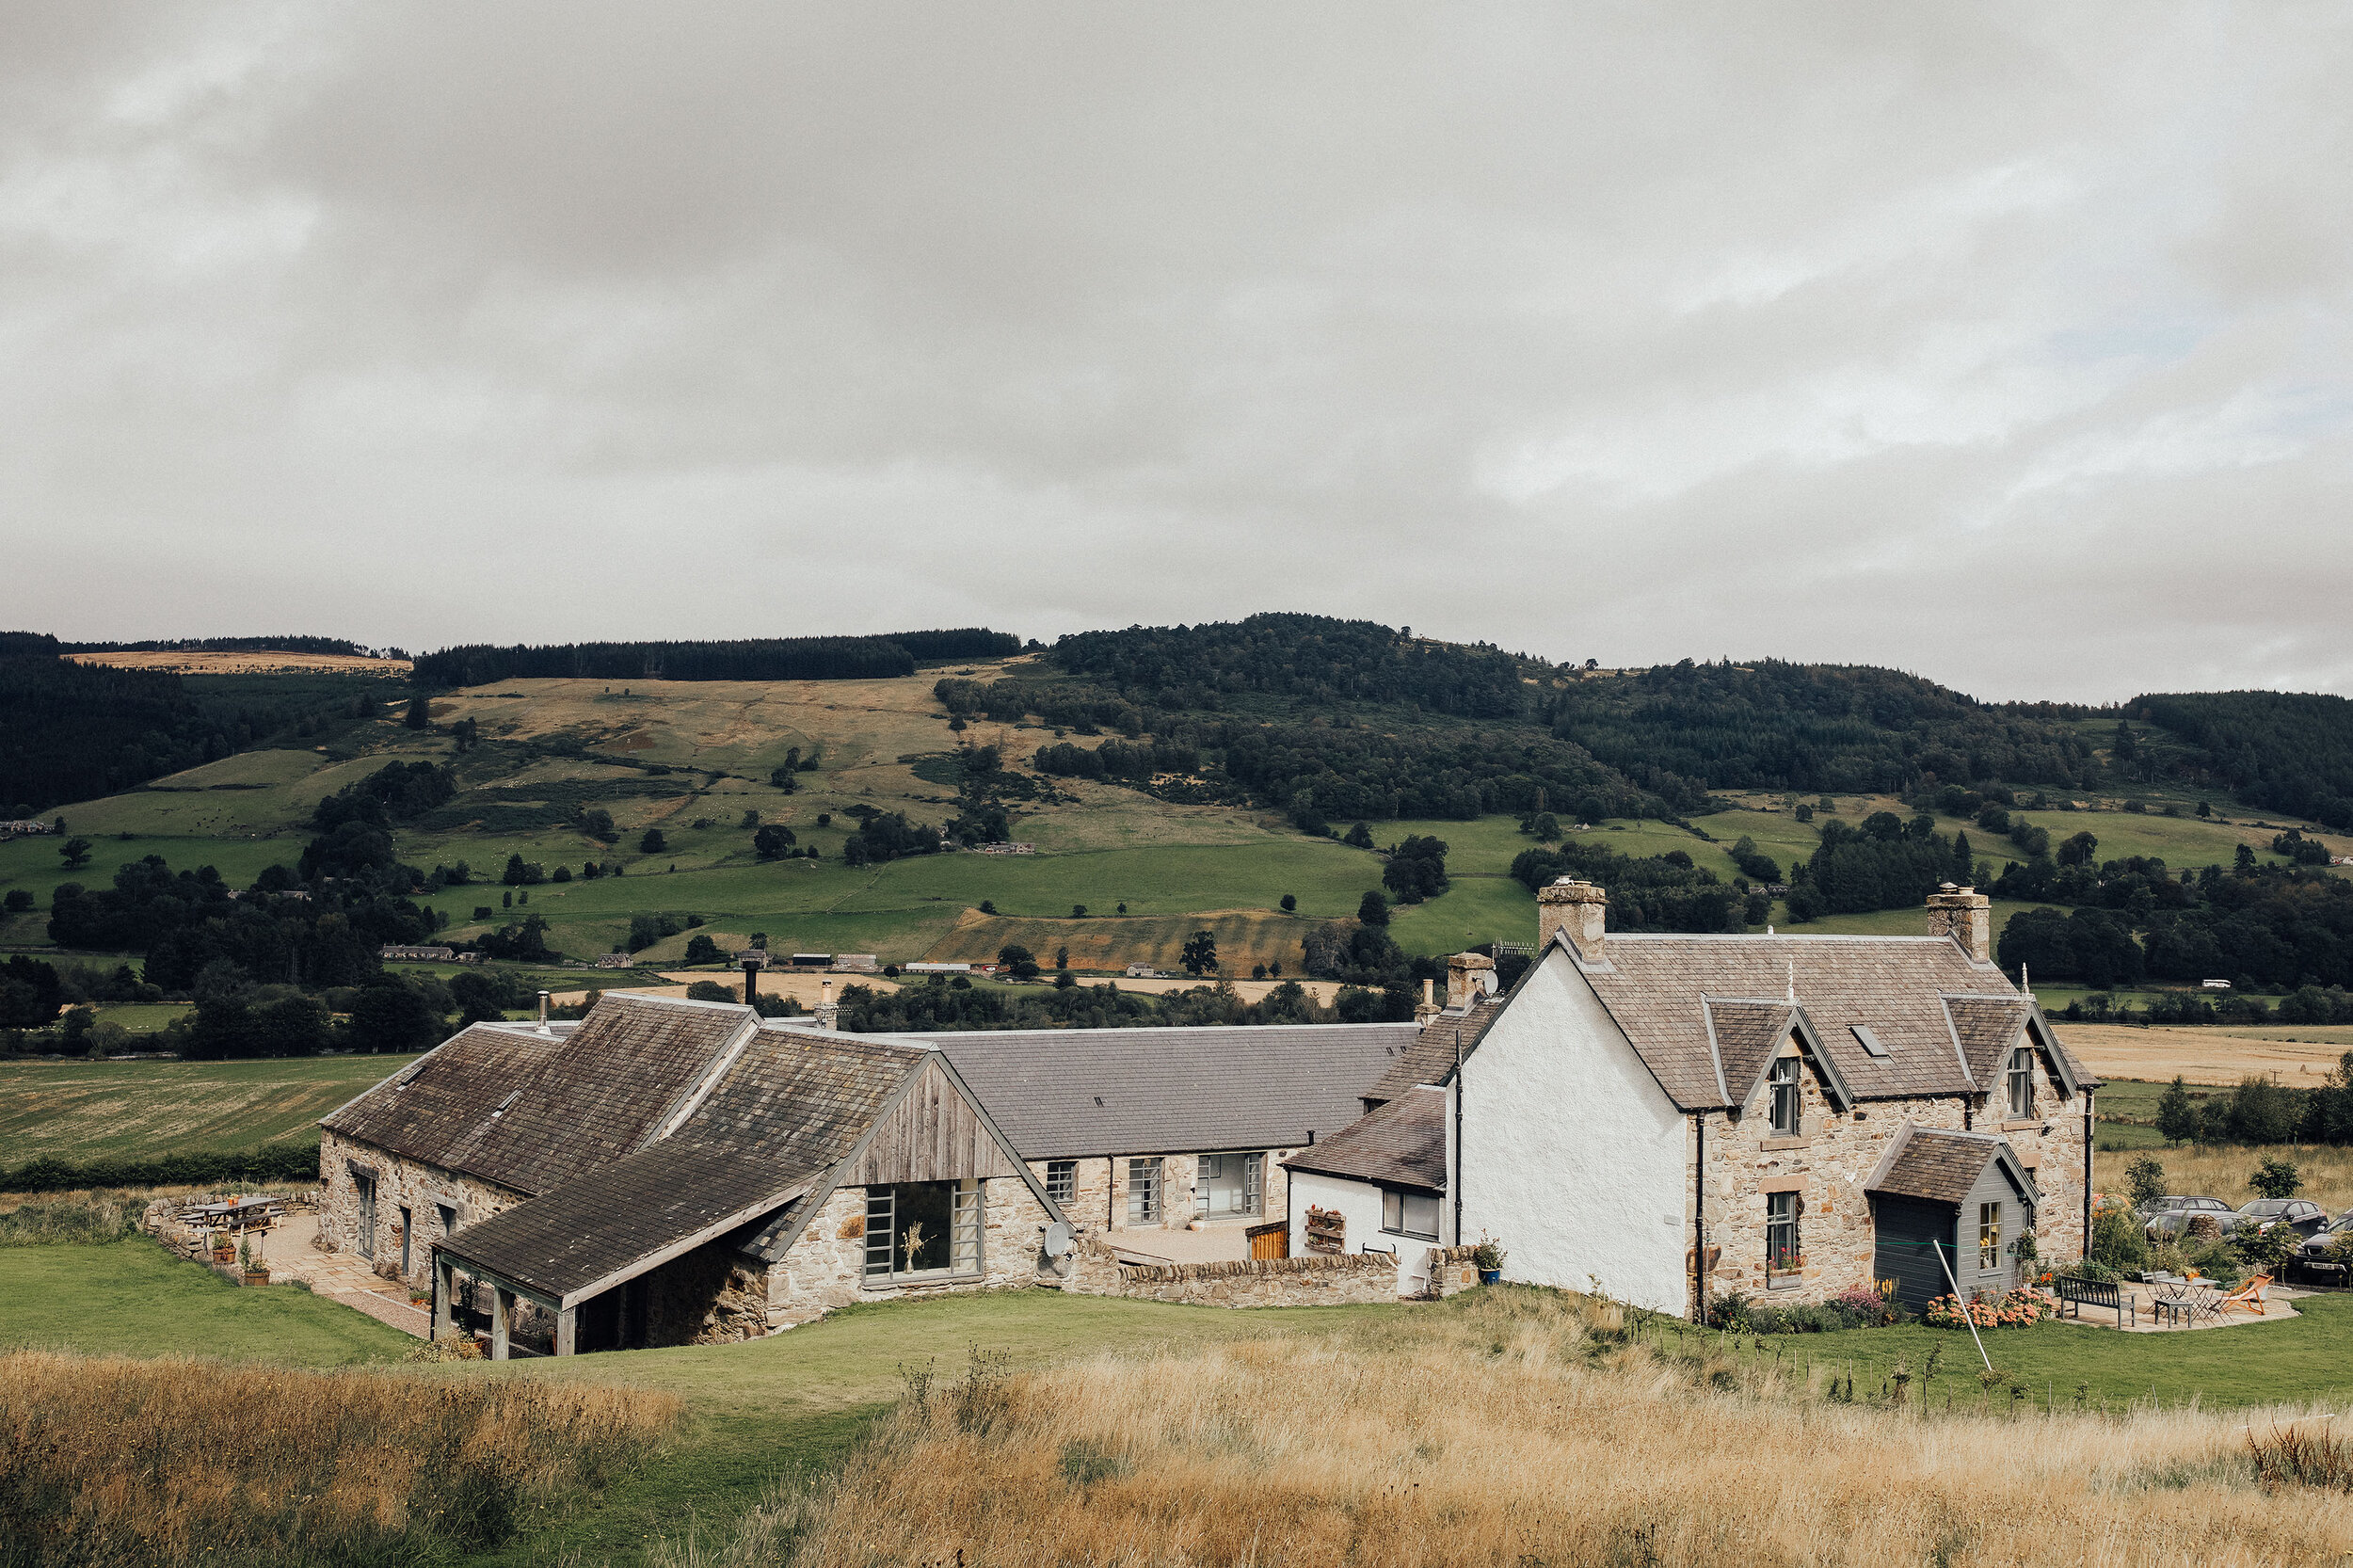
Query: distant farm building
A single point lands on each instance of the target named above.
(934, 968)
(2214, 984)
(1143, 971)
(24, 825)
(613, 960)
(812, 960)
(1001, 848)
(392, 955)
(865, 963)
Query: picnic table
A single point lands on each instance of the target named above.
(2188, 1301)
(240, 1215)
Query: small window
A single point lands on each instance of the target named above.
(448, 1216)
(1989, 1237)
(366, 1187)
(1413, 1214)
(405, 1227)
(1144, 1191)
(1062, 1180)
(2021, 1084)
(1787, 1101)
(1782, 1253)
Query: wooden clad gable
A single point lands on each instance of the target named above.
(932, 1133)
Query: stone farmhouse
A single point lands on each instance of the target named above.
(1677, 1116)
(672, 1172)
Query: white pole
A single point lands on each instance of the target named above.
(1962, 1304)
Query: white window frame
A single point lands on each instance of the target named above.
(1779, 1259)
(1785, 1090)
(2022, 1084)
(1062, 1180)
(1989, 1238)
(1145, 1176)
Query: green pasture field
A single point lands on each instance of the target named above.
(140, 1017)
(132, 1298)
(79, 1111)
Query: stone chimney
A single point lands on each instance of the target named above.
(1965, 914)
(828, 1010)
(1427, 1014)
(1577, 907)
(1470, 977)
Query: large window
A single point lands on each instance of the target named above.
(1788, 1104)
(1413, 1214)
(2021, 1084)
(1989, 1236)
(919, 1228)
(1230, 1184)
(1062, 1180)
(1780, 1232)
(366, 1187)
(1144, 1191)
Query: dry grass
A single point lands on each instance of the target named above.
(2205, 1055)
(250, 662)
(1522, 1428)
(85, 1218)
(115, 1461)
(2220, 1171)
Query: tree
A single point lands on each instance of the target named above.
(2177, 1117)
(597, 823)
(751, 819)
(391, 1015)
(419, 712)
(2277, 1179)
(1078, 911)
(1372, 909)
(1359, 837)
(1061, 958)
(76, 853)
(1018, 961)
(1290, 903)
(20, 899)
(1200, 955)
(2077, 851)
(653, 842)
(2145, 1179)
(700, 948)
(771, 842)
(2204, 809)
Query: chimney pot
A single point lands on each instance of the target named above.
(1427, 1013)
(1578, 909)
(1966, 916)
(1470, 977)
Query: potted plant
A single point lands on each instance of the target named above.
(1488, 1258)
(252, 1268)
(224, 1250)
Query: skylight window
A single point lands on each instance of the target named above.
(1872, 1043)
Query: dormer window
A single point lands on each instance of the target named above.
(2022, 1084)
(1785, 1101)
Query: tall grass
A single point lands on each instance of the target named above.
(2221, 1169)
(114, 1460)
(1520, 1428)
(90, 1218)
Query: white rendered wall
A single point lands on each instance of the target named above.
(1360, 1201)
(1574, 1159)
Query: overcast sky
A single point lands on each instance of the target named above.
(2004, 343)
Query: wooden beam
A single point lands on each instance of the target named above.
(444, 1316)
(502, 1311)
(568, 1332)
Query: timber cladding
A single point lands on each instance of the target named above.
(931, 1134)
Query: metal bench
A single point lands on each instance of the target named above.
(2076, 1294)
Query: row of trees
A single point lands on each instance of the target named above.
(2135, 920)
(2260, 1111)
(754, 659)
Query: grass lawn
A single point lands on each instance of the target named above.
(88, 1109)
(133, 1298)
(2286, 1363)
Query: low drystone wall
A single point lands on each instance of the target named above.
(1451, 1271)
(1320, 1281)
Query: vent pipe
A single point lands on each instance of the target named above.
(543, 1013)
(751, 982)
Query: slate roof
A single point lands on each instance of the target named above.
(1662, 988)
(1066, 1092)
(432, 1109)
(658, 1201)
(802, 1097)
(1399, 1143)
(1942, 1166)
(1431, 1057)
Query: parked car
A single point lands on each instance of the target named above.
(2304, 1216)
(2169, 1216)
(2316, 1260)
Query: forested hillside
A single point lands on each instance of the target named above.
(756, 659)
(2290, 751)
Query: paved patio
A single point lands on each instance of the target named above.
(340, 1277)
(2278, 1309)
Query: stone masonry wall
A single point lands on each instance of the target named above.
(1102, 1192)
(1347, 1279)
(826, 1267)
(398, 1182)
(1828, 1164)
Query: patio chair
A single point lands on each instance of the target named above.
(2247, 1297)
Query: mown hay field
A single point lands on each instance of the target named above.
(2301, 1057)
(1526, 1426)
(79, 1111)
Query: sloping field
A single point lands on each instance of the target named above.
(253, 662)
(1244, 937)
(87, 1111)
(2300, 1056)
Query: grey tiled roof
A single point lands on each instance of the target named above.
(608, 1220)
(1400, 1143)
(1430, 1058)
(440, 1103)
(1942, 1165)
(1657, 986)
(1060, 1094)
(801, 1098)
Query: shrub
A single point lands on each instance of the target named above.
(2118, 1239)
(2145, 1179)
(2277, 1178)
(2020, 1308)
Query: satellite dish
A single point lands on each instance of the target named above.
(1058, 1238)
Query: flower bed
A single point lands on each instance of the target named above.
(2020, 1308)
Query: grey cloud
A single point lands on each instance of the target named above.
(2001, 344)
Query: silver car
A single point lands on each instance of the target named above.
(2304, 1216)
(2168, 1217)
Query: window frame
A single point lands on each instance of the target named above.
(1062, 1180)
(1784, 1089)
(967, 1231)
(1148, 1176)
(1784, 1246)
(1394, 1219)
(447, 1214)
(1252, 1186)
(2021, 1082)
(1990, 1237)
(364, 1189)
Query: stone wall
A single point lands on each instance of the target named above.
(398, 1182)
(1451, 1271)
(1828, 1164)
(825, 1268)
(1101, 1200)
(1323, 1281)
